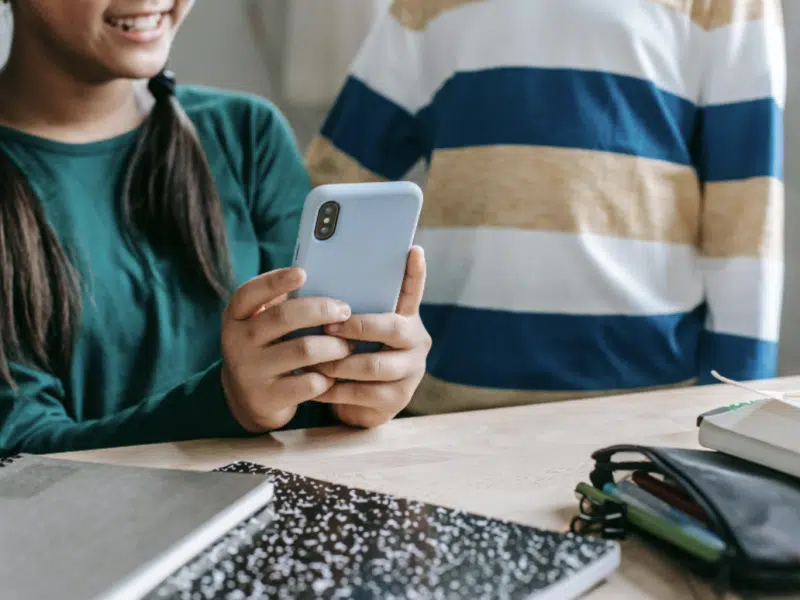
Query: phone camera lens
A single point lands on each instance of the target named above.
(327, 220)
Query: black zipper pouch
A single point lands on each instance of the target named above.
(754, 510)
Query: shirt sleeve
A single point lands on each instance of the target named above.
(373, 131)
(280, 184)
(33, 418)
(739, 158)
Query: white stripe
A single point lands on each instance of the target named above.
(637, 38)
(747, 61)
(744, 296)
(389, 62)
(542, 272)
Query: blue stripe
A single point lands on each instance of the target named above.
(377, 133)
(741, 140)
(562, 108)
(504, 350)
(737, 357)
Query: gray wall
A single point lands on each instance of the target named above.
(790, 336)
(237, 44)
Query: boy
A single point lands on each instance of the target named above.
(604, 206)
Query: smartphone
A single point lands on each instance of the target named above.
(353, 244)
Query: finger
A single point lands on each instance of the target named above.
(265, 289)
(363, 417)
(413, 283)
(300, 388)
(303, 352)
(380, 396)
(275, 322)
(373, 367)
(278, 300)
(392, 330)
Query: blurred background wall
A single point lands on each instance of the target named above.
(296, 52)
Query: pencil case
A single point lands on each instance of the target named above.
(751, 511)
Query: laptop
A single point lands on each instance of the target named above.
(79, 531)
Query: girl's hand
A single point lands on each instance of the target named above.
(379, 385)
(261, 391)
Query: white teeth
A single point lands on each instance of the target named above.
(148, 23)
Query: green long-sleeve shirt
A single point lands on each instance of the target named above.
(146, 363)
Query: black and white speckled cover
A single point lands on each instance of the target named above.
(7, 460)
(321, 540)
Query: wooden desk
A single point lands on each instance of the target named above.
(518, 463)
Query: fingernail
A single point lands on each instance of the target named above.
(335, 328)
(293, 274)
(344, 310)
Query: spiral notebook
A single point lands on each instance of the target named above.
(321, 540)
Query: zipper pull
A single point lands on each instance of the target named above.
(608, 519)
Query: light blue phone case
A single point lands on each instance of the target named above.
(364, 261)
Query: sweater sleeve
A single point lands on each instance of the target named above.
(373, 131)
(33, 417)
(279, 189)
(739, 158)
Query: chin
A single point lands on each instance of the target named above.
(139, 67)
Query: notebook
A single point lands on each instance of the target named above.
(321, 540)
(77, 531)
(764, 432)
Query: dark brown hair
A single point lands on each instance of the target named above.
(168, 200)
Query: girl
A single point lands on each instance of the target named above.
(129, 214)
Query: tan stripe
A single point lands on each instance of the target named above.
(416, 14)
(327, 164)
(711, 14)
(697, 10)
(563, 190)
(743, 218)
(435, 396)
(726, 12)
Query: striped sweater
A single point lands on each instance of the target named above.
(604, 197)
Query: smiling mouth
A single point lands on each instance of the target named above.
(141, 23)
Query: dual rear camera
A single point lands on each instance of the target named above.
(327, 217)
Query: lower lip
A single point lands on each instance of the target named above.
(145, 37)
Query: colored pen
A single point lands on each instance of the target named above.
(661, 528)
(671, 494)
(630, 493)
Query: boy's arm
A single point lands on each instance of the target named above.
(372, 132)
(739, 157)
